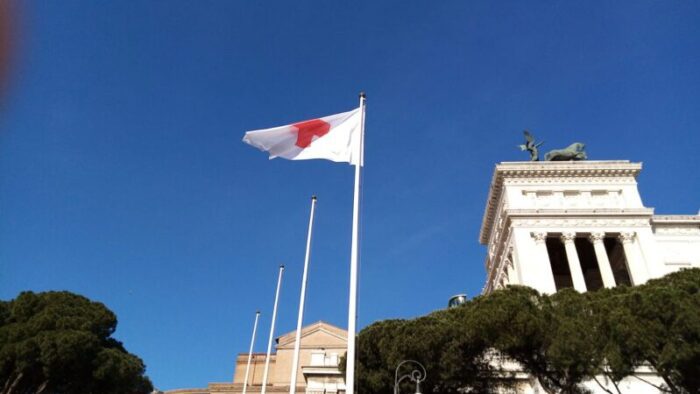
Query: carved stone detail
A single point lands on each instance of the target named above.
(677, 230)
(569, 180)
(568, 237)
(553, 173)
(498, 228)
(539, 237)
(580, 222)
(574, 198)
(626, 238)
(596, 237)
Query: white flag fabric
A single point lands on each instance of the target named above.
(335, 137)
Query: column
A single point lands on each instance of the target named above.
(635, 264)
(574, 264)
(502, 280)
(544, 275)
(603, 261)
(510, 272)
(517, 278)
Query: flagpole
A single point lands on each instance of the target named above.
(272, 332)
(250, 352)
(302, 298)
(352, 304)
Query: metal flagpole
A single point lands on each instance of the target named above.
(302, 298)
(352, 304)
(250, 352)
(272, 332)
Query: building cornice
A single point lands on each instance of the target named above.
(548, 169)
(676, 219)
(581, 212)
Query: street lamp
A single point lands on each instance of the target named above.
(415, 374)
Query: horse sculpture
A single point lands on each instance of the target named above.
(575, 151)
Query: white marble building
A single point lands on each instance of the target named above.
(581, 224)
(550, 225)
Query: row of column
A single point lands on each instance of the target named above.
(601, 254)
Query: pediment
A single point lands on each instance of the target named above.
(315, 334)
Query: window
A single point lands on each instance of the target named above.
(318, 358)
(333, 359)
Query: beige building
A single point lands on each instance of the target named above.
(322, 346)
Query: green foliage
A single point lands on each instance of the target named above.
(58, 342)
(617, 333)
(562, 339)
(549, 337)
(668, 310)
(434, 340)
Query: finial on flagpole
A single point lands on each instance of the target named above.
(314, 198)
(363, 95)
(282, 266)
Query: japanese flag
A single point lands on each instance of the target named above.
(335, 137)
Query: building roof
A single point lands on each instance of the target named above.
(548, 169)
(313, 328)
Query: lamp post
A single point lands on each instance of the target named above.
(416, 374)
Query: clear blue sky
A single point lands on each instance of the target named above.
(123, 176)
